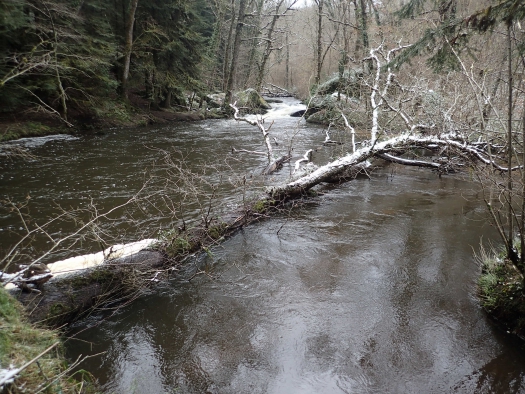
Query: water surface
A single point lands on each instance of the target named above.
(368, 288)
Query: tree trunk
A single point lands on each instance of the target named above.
(268, 48)
(376, 12)
(149, 76)
(130, 22)
(215, 49)
(226, 65)
(167, 101)
(364, 26)
(287, 83)
(254, 32)
(320, 4)
(522, 229)
(235, 53)
(510, 241)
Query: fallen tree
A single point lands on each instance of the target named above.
(119, 279)
(400, 144)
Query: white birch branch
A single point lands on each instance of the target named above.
(352, 131)
(409, 162)
(259, 125)
(402, 142)
(375, 88)
(305, 159)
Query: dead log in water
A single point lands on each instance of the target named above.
(120, 280)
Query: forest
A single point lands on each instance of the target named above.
(79, 62)
(395, 77)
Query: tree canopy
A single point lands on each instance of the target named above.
(67, 55)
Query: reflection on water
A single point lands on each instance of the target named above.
(370, 289)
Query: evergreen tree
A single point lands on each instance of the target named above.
(66, 56)
(453, 31)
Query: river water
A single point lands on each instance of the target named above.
(368, 288)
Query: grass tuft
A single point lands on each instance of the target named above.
(20, 342)
(501, 291)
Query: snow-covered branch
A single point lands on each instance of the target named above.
(376, 104)
(401, 143)
(409, 162)
(352, 131)
(258, 123)
(305, 159)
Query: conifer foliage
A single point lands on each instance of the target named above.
(67, 56)
(452, 31)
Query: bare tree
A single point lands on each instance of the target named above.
(235, 52)
(269, 46)
(319, 58)
(128, 46)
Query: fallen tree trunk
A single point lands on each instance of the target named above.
(115, 282)
(65, 299)
(401, 143)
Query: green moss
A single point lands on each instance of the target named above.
(178, 246)
(261, 206)
(57, 310)
(501, 292)
(217, 231)
(312, 193)
(27, 129)
(98, 275)
(20, 342)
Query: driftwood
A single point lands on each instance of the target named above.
(276, 165)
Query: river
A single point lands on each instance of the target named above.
(368, 288)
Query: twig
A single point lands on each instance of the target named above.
(11, 374)
(352, 131)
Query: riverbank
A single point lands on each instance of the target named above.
(501, 292)
(31, 358)
(110, 113)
